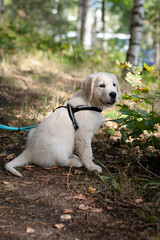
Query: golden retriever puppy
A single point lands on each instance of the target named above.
(71, 128)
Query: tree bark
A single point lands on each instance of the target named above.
(136, 32)
(80, 21)
(85, 22)
(2, 10)
(157, 41)
(104, 42)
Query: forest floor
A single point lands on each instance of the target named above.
(63, 203)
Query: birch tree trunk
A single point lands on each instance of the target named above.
(136, 32)
(85, 22)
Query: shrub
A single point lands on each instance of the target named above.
(137, 113)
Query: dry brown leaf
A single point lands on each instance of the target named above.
(65, 217)
(30, 230)
(4, 154)
(96, 210)
(77, 172)
(95, 172)
(139, 200)
(5, 182)
(29, 167)
(50, 168)
(59, 225)
(109, 208)
(84, 207)
(9, 186)
(67, 211)
(80, 197)
(10, 156)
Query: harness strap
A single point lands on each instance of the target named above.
(73, 110)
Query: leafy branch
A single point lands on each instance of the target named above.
(137, 113)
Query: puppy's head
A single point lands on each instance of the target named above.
(101, 89)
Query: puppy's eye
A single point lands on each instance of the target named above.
(114, 84)
(102, 86)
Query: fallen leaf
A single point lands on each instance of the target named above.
(109, 208)
(43, 223)
(3, 154)
(77, 172)
(10, 156)
(67, 211)
(59, 225)
(29, 167)
(5, 182)
(96, 210)
(49, 168)
(66, 217)
(9, 186)
(95, 172)
(84, 207)
(139, 200)
(30, 230)
(91, 190)
(80, 196)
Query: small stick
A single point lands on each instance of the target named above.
(68, 174)
(155, 175)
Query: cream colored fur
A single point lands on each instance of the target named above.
(54, 140)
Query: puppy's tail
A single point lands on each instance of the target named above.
(19, 161)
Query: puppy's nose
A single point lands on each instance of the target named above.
(113, 94)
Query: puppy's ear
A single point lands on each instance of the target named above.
(87, 86)
(118, 89)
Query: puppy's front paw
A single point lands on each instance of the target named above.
(92, 167)
(97, 168)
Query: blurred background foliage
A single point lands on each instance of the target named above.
(104, 26)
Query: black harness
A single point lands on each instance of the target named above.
(73, 110)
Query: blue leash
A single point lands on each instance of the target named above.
(17, 129)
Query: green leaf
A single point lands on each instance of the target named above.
(113, 114)
(112, 131)
(125, 136)
(104, 178)
(130, 113)
(78, 88)
(142, 112)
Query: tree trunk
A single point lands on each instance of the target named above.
(104, 42)
(2, 10)
(157, 41)
(80, 23)
(157, 46)
(136, 32)
(85, 22)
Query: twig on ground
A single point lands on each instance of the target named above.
(119, 201)
(68, 174)
(155, 175)
(140, 164)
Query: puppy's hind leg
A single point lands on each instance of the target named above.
(62, 159)
(75, 161)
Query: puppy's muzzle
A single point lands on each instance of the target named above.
(113, 95)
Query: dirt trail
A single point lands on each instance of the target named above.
(56, 203)
(41, 198)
